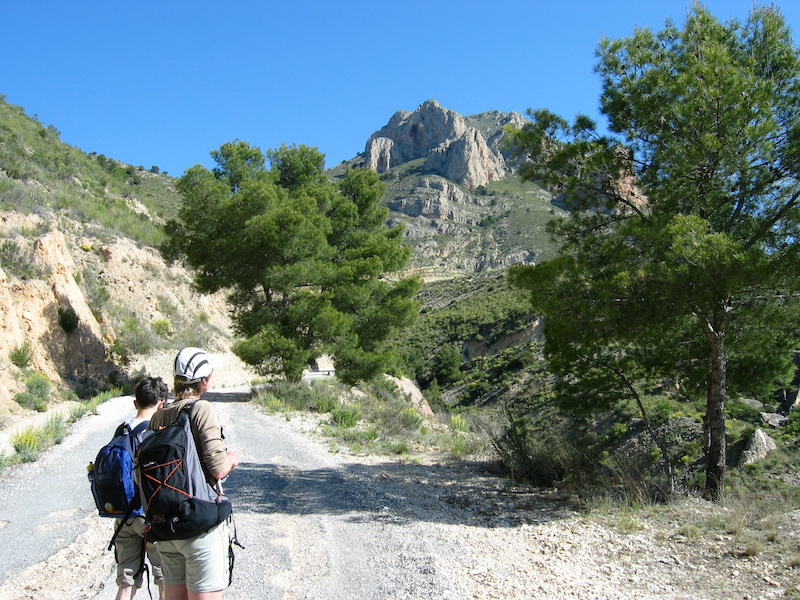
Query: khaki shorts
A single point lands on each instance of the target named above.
(128, 553)
(200, 563)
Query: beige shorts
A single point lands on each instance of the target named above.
(200, 563)
(128, 553)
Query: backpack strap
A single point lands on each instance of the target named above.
(122, 522)
(137, 431)
(233, 540)
(142, 564)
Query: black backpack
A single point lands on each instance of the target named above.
(178, 502)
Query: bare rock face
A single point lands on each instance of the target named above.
(435, 198)
(467, 161)
(758, 448)
(413, 135)
(451, 148)
(136, 281)
(29, 315)
(379, 154)
(494, 123)
(82, 352)
(413, 393)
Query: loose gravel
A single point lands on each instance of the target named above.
(328, 525)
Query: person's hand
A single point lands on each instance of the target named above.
(233, 458)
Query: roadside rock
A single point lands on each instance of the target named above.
(759, 446)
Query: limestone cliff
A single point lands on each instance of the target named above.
(451, 148)
(452, 183)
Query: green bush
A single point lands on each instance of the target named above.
(134, 338)
(162, 327)
(400, 447)
(68, 319)
(460, 446)
(447, 365)
(39, 385)
(54, 430)
(410, 418)
(29, 401)
(270, 402)
(740, 411)
(37, 395)
(95, 291)
(21, 356)
(346, 416)
(459, 423)
(15, 263)
(539, 456)
(299, 397)
(27, 444)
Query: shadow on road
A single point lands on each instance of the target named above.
(461, 493)
(236, 394)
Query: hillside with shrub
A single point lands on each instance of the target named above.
(85, 293)
(87, 298)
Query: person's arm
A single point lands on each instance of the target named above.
(231, 462)
(216, 458)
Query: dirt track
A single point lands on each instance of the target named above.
(334, 527)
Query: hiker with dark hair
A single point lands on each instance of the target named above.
(150, 395)
(195, 549)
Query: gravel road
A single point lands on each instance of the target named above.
(321, 525)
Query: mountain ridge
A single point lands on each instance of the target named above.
(452, 181)
(87, 227)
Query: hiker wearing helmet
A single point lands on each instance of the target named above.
(196, 567)
(150, 394)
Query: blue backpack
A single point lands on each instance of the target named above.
(116, 495)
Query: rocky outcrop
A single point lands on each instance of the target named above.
(437, 166)
(379, 154)
(467, 161)
(759, 446)
(29, 316)
(451, 149)
(773, 420)
(492, 125)
(79, 354)
(414, 395)
(110, 285)
(409, 136)
(435, 198)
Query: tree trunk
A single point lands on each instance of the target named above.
(715, 417)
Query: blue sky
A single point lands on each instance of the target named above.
(165, 82)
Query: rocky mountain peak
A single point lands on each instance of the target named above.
(451, 148)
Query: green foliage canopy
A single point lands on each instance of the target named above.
(680, 259)
(304, 259)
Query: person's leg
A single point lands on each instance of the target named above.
(173, 568)
(155, 568)
(125, 592)
(175, 592)
(128, 555)
(206, 595)
(207, 563)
